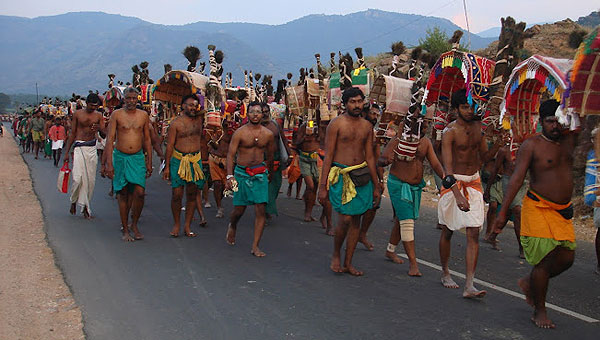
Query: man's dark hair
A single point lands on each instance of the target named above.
(458, 98)
(264, 105)
(93, 98)
(548, 108)
(254, 103)
(351, 93)
(186, 97)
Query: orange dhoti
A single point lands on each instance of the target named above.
(218, 168)
(544, 226)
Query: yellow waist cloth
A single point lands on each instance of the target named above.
(185, 166)
(348, 189)
(541, 219)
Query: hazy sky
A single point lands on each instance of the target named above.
(482, 14)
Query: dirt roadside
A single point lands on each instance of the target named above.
(35, 302)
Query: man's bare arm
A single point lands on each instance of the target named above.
(387, 156)
(233, 147)
(524, 158)
(147, 145)
(171, 137)
(434, 161)
(447, 141)
(494, 174)
(71, 138)
(108, 149)
(371, 160)
(488, 154)
(330, 146)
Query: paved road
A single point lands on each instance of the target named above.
(163, 288)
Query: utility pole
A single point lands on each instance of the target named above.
(37, 95)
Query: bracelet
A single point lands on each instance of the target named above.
(230, 176)
(448, 181)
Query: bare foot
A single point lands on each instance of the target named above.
(203, 223)
(86, 214)
(189, 233)
(367, 244)
(494, 243)
(352, 271)
(230, 237)
(127, 238)
(257, 252)
(526, 289)
(521, 254)
(336, 266)
(414, 271)
(470, 293)
(309, 219)
(137, 235)
(448, 282)
(175, 231)
(73, 209)
(329, 231)
(541, 320)
(323, 221)
(220, 213)
(393, 257)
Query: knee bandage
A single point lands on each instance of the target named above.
(407, 230)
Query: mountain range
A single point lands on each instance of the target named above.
(74, 52)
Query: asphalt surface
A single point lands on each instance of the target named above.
(202, 288)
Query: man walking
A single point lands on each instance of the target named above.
(86, 122)
(461, 203)
(350, 180)
(250, 180)
(127, 166)
(547, 233)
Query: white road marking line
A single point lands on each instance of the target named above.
(506, 291)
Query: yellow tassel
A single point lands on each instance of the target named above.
(506, 123)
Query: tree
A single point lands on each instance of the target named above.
(435, 42)
(4, 101)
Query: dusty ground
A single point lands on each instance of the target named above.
(35, 302)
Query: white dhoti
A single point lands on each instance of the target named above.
(83, 175)
(58, 144)
(448, 212)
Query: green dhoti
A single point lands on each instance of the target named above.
(251, 189)
(130, 169)
(406, 198)
(360, 203)
(307, 161)
(176, 180)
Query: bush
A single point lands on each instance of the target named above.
(435, 42)
(576, 37)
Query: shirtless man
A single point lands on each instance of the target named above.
(505, 161)
(405, 184)
(217, 160)
(86, 122)
(307, 144)
(250, 143)
(129, 127)
(351, 180)
(547, 233)
(276, 176)
(183, 164)
(461, 203)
